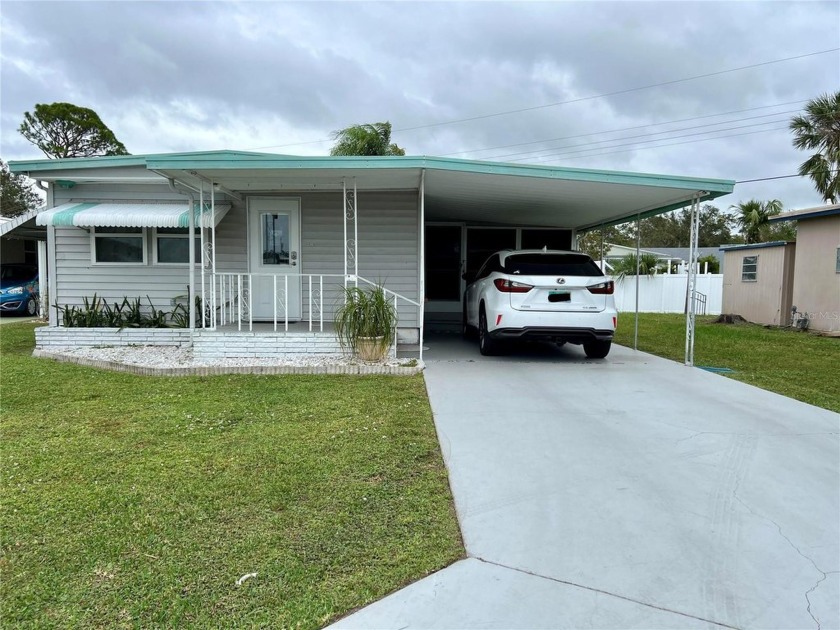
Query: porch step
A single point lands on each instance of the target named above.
(262, 344)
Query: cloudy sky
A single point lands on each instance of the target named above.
(580, 84)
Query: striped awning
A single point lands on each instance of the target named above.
(162, 215)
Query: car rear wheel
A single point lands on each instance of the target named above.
(597, 349)
(31, 307)
(486, 344)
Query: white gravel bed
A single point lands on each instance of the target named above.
(174, 357)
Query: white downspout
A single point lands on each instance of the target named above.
(191, 309)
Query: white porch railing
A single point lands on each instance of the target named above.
(231, 299)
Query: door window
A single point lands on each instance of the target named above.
(274, 235)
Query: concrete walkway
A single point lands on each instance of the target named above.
(626, 493)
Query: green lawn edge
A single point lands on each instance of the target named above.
(140, 501)
(800, 365)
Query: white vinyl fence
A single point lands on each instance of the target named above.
(666, 293)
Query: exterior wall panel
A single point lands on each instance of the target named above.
(816, 284)
(388, 246)
(768, 299)
(388, 250)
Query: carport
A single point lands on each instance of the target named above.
(23, 242)
(473, 209)
(469, 209)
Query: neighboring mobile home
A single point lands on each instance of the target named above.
(758, 281)
(277, 237)
(816, 275)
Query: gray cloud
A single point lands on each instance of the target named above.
(171, 76)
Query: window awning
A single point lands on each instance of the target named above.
(134, 215)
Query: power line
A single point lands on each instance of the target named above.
(657, 133)
(673, 144)
(577, 100)
(617, 92)
(582, 149)
(655, 124)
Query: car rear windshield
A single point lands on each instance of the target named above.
(551, 265)
(17, 273)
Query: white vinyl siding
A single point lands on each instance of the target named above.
(77, 277)
(388, 249)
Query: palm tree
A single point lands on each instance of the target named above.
(753, 216)
(649, 264)
(818, 129)
(369, 139)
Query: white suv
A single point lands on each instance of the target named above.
(545, 295)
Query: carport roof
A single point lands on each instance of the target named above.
(455, 189)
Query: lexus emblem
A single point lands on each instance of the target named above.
(561, 281)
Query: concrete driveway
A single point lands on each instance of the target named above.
(631, 492)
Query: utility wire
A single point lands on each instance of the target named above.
(672, 144)
(583, 149)
(655, 124)
(617, 92)
(577, 100)
(657, 133)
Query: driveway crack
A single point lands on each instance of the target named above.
(824, 574)
(603, 592)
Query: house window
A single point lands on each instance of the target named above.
(172, 248)
(837, 262)
(119, 245)
(749, 269)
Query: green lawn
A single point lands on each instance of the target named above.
(139, 501)
(800, 365)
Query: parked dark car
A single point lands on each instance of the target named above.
(19, 290)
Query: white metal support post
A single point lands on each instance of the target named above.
(638, 270)
(43, 278)
(201, 249)
(691, 288)
(191, 241)
(351, 214)
(212, 245)
(601, 252)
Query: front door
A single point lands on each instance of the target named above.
(274, 258)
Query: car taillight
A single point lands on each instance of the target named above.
(605, 288)
(509, 286)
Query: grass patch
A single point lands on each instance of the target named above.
(796, 364)
(139, 501)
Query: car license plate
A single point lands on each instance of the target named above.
(559, 296)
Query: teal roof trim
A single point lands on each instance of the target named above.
(111, 161)
(265, 161)
(230, 160)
